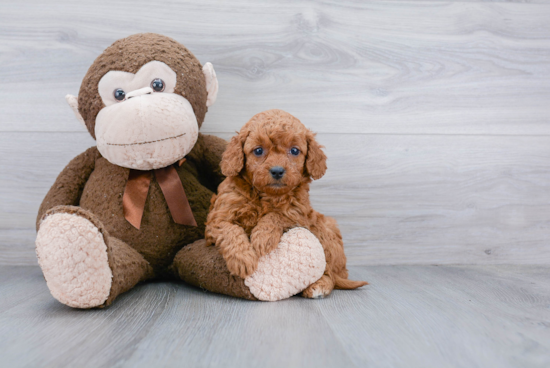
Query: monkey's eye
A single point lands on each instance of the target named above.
(294, 151)
(119, 94)
(258, 151)
(157, 85)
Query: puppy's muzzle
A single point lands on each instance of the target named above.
(277, 172)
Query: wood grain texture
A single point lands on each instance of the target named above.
(398, 199)
(435, 114)
(410, 316)
(403, 67)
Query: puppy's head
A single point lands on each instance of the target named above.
(275, 152)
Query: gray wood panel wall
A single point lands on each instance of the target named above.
(435, 115)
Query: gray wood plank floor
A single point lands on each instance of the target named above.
(410, 316)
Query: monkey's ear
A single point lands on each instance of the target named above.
(211, 83)
(233, 157)
(73, 103)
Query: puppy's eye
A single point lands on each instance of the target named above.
(258, 151)
(157, 85)
(119, 94)
(294, 151)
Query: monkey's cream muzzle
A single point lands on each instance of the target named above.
(147, 130)
(141, 128)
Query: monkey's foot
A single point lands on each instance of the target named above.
(72, 253)
(298, 262)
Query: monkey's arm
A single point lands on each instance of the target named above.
(212, 149)
(69, 184)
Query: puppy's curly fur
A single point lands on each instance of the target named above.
(254, 207)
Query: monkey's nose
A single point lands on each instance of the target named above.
(139, 92)
(277, 172)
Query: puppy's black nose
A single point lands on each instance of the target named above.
(277, 172)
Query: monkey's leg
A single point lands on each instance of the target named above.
(203, 266)
(83, 266)
(297, 262)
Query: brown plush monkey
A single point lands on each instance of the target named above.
(134, 207)
(119, 212)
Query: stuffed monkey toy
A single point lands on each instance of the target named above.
(134, 207)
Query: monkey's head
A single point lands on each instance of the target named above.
(144, 99)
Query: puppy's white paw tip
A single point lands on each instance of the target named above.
(318, 294)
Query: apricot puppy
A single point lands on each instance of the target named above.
(269, 166)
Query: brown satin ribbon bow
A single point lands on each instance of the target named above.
(137, 187)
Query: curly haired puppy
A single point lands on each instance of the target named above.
(269, 166)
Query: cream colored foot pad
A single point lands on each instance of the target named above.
(73, 256)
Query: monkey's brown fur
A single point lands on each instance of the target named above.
(252, 209)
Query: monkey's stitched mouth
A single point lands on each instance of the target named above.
(138, 143)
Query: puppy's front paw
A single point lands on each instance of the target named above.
(320, 289)
(242, 264)
(264, 242)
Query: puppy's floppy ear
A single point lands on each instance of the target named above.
(233, 157)
(316, 160)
